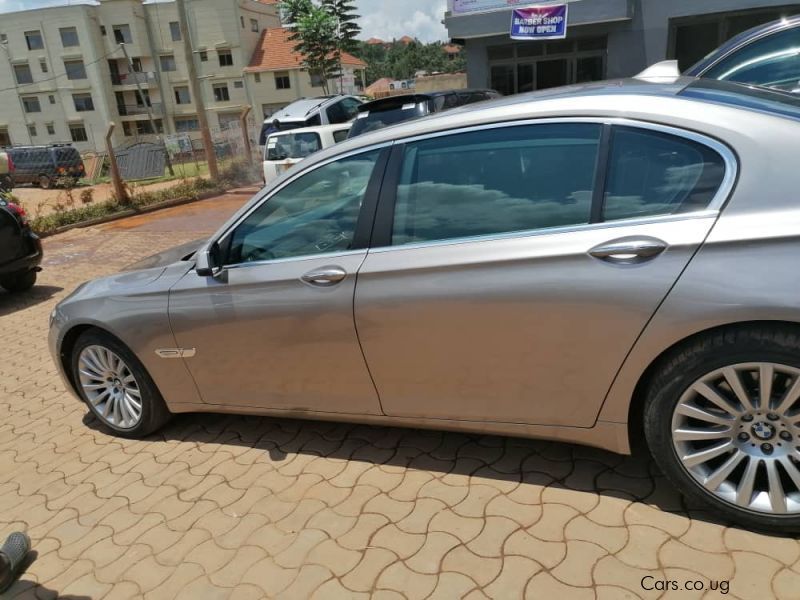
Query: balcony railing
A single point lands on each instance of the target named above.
(133, 110)
(144, 78)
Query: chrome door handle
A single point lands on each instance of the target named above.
(325, 277)
(629, 251)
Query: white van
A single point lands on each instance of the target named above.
(286, 148)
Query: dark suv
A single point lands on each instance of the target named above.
(396, 109)
(20, 248)
(46, 165)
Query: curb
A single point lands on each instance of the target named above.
(132, 212)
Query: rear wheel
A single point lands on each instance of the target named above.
(722, 419)
(45, 182)
(21, 281)
(6, 183)
(116, 386)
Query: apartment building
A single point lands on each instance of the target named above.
(64, 76)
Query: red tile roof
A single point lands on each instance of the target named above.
(275, 52)
(407, 40)
(373, 41)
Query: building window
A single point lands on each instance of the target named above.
(143, 98)
(75, 69)
(316, 80)
(78, 133)
(168, 63)
(137, 64)
(51, 129)
(241, 19)
(141, 127)
(238, 84)
(175, 31)
(23, 74)
(122, 34)
(187, 124)
(103, 31)
(43, 65)
(203, 56)
(257, 77)
(34, 40)
(282, 81)
(182, 95)
(225, 58)
(254, 25)
(32, 130)
(52, 99)
(221, 93)
(3, 40)
(83, 102)
(69, 37)
(31, 104)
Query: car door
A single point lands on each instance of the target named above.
(275, 328)
(520, 263)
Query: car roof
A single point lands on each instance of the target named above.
(299, 109)
(604, 99)
(315, 129)
(743, 39)
(415, 97)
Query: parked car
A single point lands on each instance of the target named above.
(6, 172)
(46, 166)
(285, 149)
(396, 109)
(20, 248)
(598, 264)
(311, 112)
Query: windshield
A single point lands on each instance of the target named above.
(292, 145)
(371, 120)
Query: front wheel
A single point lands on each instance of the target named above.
(722, 420)
(116, 387)
(18, 282)
(45, 182)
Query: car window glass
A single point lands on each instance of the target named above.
(313, 121)
(314, 214)
(652, 173)
(773, 61)
(350, 107)
(336, 114)
(341, 135)
(293, 145)
(495, 181)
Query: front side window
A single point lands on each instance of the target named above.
(315, 214)
(530, 177)
(773, 61)
(652, 173)
(69, 37)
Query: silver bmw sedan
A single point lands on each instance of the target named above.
(599, 264)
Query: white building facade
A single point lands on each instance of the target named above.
(64, 76)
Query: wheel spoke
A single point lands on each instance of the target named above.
(100, 357)
(713, 481)
(108, 407)
(791, 470)
(117, 417)
(791, 396)
(91, 375)
(695, 412)
(695, 435)
(766, 373)
(744, 491)
(712, 396)
(133, 401)
(99, 398)
(94, 386)
(777, 497)
(697, 458)
(133, 392)
(732, 377)
(91, 366)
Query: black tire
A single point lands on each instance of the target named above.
(681, 369)
(6, 183)
(45, 182)
(154, 411)
(18, 282)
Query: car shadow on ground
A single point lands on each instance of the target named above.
(561, 467)
(11, 303)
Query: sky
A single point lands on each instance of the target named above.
(385, 19)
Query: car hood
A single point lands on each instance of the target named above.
(167, 257)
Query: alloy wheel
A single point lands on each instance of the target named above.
(736, 431)
(110, 387)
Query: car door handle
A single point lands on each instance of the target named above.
(325, 277)
(629, 251)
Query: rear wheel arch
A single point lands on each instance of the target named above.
(636, 406)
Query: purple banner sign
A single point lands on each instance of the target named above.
(539, 22)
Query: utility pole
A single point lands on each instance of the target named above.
(197, 91)
(146, 100)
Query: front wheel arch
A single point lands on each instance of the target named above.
(636, 438)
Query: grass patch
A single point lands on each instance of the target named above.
(235, 174)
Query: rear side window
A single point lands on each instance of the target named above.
(773, 61)
(496, 181)
(652, 173)
(293, 145)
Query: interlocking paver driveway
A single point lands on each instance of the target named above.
(243, 507)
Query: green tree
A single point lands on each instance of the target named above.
(348, 29)
(314, 32)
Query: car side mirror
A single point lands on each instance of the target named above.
(208, 262)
